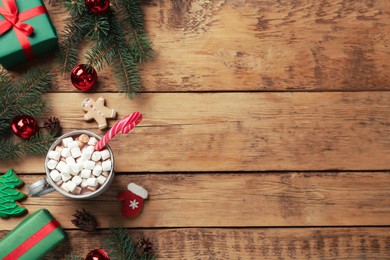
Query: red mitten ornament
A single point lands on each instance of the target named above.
(132, 200)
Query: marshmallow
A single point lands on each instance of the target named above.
(77, 180)
(105, 174)
(65, 152)
(76, 168)
(59, 183)
(87, 152)
(70, 160)
(51, 164)
(92, 141)
(83, 138)
(105, 154)
(96, 156)
(65, 177)
(107, 165)
(55, 175)
(92, 182)
(65, 169)
(59, 149)
(67, 141)
(92, 188)
(84, 183)
(85, 174)
(80, 160)
(97, 170)
(101, 179)
(63, 186)
(70, 185)
(54, 155)
(89, 165)
(75, 152)
(73, 144)
(60, 165)
(77, 190)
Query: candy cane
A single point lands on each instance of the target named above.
(125, 126)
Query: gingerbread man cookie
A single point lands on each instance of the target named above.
(98, 111)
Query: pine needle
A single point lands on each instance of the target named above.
(120, 245)
(23, 97)
(121, 43)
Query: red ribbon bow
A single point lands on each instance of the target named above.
(14, 19)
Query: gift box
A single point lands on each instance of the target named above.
(26, 31)
(34, 237)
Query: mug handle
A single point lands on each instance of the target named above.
(40, 187)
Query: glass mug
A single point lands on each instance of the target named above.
(47, 184)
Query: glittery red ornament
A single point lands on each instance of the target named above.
(98, 7)
(83, 77)
(24, 126)
(97, 254)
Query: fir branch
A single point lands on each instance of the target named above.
(139, 43)
(24, 98)
(9, 149)
(39, 144)
(99, 27)
(123, 45)
(120, 245)
(73, 34)
(148, 257)
(141, 47)
(127, 70)
(125, 67)
(100, 54)
(5, 80)
(75, 7)
(133, 14)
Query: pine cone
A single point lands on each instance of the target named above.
(53, 126)
(144, 246)
(84, 221)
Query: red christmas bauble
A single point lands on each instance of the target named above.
(24, 126)
(97, 254)
(98, 7)
(83, 77)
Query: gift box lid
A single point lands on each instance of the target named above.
(43, 39)
(33, 238)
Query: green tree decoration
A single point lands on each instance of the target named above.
(118, 39)
(23, 98)
(9, 195)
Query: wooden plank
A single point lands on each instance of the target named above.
(248, 243)
(256, 45)
(237, 200)
(240, 131)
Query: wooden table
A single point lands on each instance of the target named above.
(266, 133)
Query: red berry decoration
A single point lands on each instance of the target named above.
(97, 254)
(83, 77)
(24, 126)
(97, 7)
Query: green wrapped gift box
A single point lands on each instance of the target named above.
(33, 238)
(26, 32)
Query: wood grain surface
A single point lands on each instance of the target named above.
(240, 131)
(235, 200)
(250, 243)
(266, 133)
(222, 45)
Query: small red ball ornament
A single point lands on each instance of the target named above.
(83, 77)
(97, 7)
(24, 126)
(97, 254)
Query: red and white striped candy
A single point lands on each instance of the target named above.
(124, 126)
